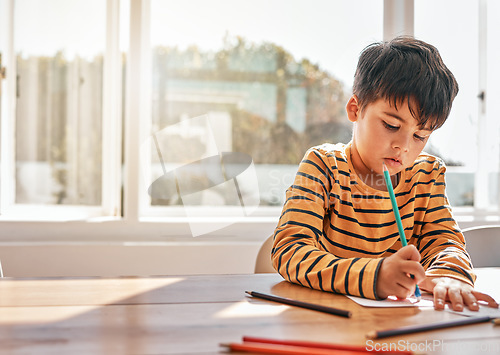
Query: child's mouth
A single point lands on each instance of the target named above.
(392, 162)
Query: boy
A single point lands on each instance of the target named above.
(337, 231)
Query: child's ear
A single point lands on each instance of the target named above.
(353, 109)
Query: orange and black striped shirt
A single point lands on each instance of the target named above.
(335, 230)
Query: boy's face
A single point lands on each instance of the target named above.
(384, 134)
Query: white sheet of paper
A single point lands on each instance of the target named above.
(425, 301)
(483, 311)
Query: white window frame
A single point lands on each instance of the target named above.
(111, 178)
(104, 223)
(7, 186)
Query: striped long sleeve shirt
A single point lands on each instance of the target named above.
(335, 230)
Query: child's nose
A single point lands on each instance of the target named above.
(402, 142)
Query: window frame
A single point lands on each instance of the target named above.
(111, 221)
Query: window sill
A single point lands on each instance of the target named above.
(151, 229)
(59, 227)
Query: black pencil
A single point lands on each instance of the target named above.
(312, 306)
(425, 327)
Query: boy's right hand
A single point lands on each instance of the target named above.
(394, 275)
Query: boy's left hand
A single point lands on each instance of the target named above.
(457, 292)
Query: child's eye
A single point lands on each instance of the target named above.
(390, 127)
(420, 138)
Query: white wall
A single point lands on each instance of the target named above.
(117, 247)
(127, 259)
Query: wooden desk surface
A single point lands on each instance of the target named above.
(193, 314)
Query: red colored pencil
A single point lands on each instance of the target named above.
(317, 345)
(286, 349)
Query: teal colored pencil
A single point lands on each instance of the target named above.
(395, 209)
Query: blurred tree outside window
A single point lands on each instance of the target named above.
(275, 81)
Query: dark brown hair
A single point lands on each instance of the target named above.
(406, 69)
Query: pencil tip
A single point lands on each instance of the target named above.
(371, 335)
(418, 294)
(384, 167)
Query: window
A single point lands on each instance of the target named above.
(455, 42)
(56, 105)
(469, 140)
(59, 94)
(269, 83)
(150, 111)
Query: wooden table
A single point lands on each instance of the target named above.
(193, 314)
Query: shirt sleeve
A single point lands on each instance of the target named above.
(298, 254)
(441, 243)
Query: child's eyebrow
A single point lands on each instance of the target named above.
(399, 118)
(426, 129)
